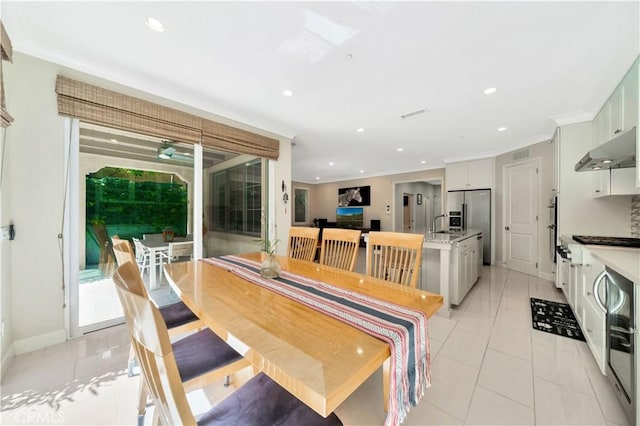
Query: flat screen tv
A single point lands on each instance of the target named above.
(350, 217)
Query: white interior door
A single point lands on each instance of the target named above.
(520, 219)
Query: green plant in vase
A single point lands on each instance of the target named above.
(270, 267)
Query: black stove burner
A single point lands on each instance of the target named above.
(608, 241)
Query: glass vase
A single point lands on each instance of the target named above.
(270, 267)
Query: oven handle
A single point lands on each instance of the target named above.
(596, 290)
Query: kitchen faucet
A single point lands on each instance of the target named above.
(433, 226)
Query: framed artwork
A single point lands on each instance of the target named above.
(419, 199)
(354, 197)
(300, 205)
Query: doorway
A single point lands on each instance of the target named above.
(407, 213)
(520, 190)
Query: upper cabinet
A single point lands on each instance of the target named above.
(474, 174)
(618, 114)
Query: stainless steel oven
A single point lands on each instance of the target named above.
(621, 335)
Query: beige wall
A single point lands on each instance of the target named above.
(34, 201)
(542, 151)
(324, 197)
(6, 349)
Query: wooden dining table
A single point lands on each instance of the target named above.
(319, 359)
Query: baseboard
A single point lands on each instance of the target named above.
(8, 356)
(547, 276)
(41, 341)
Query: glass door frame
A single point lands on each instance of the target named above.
(71, 229)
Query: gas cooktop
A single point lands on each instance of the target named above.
(608, 241)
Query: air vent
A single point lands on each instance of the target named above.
(414, 113)
(521, 154)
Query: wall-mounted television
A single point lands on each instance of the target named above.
(350, 217)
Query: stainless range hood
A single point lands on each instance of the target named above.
(618, 153)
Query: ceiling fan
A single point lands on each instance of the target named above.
(167, 151)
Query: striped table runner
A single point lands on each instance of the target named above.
(404, 329)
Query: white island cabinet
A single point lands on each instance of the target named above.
(450, 265)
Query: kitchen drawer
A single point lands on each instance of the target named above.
(593, 327)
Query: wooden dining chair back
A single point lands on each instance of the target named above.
(303, 243)
(259, 401)
(151, 344)
(340, 248)
(395, 257)
(123, 251)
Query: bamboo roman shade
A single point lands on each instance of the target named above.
(97, 105)
(7, 54)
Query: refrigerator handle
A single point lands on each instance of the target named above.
(464, 216)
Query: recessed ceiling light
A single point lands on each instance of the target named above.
(502, 129)
(360, 130)
(361, 171)
(317, 177)
(423, 162)
(490, 90)
(287, 93)
(331, 163)
(154, 24)
(114, 140)
(606, 161)
(187, 153)
(400, 149)
(596, 168)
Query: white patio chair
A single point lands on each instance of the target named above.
(180, 251)
(142, 256)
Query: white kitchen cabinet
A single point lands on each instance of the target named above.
(474, 174)
(614, 182)
(464, 270)
(589, 314)
(555, 143)
(621, 112)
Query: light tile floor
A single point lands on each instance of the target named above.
(488, 367)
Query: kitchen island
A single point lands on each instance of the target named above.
(451, 264)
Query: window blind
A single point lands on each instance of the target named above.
(97, 105)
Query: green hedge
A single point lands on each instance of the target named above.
(136, 207)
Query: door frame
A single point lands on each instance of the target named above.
(70, 238)
(395, 207)
(537, 161)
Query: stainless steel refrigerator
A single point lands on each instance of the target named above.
(472, 210)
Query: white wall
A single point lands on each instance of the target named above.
(6, 349)
(35, 198)
(578, 212)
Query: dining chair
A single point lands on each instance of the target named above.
(200, 358)
(259, 401)
(180, 250)
(303, 243)
(177, 316)
(340, 248)
(395, 257)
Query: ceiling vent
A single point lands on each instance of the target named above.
(521, 154)
(413, 114)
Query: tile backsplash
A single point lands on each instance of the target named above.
(635, 216)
